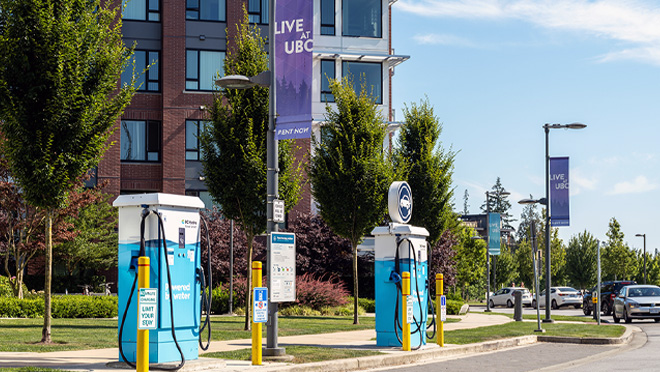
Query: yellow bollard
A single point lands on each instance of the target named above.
(142, 357)
(405, 292)
(256, 327)
(439, 291)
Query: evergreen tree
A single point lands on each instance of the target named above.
(234, 147)
(60, 62)
(581, 260)
(349, 171)
(420, 159)
(466, 206)
(528, 216)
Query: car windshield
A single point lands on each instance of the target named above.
(643, 292)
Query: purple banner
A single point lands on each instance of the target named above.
(559, 211)
(293, 68)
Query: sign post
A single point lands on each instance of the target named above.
(441, 304)
(405, 295)
(146, 314)
(257, 316)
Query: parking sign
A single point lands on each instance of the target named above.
(443, 308)
(260, 311)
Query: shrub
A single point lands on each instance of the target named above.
(5, 287)
(346, 310)
(367, 304)
(454, 307)
(63, 307)
(318, 292)
(299, 311)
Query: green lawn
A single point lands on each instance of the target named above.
(560, 318)
(301, 354)
(516, 329)
(79, 334)
(31, 369)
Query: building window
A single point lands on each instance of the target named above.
(149, 80)
(205, 196)
(206, 10)
(362, 18)
(327, 17)
(202, 68)
(258, 11)
(141, 10)
(193, 130)
(140, 140)
(368, 73)
(327, 73)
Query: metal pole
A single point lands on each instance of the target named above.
(271, 179)
(231, 267)
(547, 227)
(599, 296)
(487, 255)
(644, 235)
(535, 262)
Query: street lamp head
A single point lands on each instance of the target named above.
(542, 201)
(640, 235)
(569, 126)
(235, 82)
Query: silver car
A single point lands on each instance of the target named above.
(637, 302)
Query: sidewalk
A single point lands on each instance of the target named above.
(106, 360)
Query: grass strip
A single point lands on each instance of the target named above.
(517, 329)
(31, 369)
(300, 353)
(559, 318)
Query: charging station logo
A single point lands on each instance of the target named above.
(189, 223)
(400, 202)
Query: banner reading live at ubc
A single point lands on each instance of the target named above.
(293, 68)
(559, 208)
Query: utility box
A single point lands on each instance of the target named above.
(399, 248)
(181, 220)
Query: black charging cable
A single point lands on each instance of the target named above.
(206, 297)
(397, 322)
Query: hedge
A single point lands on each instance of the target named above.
(73, 306)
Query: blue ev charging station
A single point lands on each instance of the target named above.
(400, 247)
(171, 241)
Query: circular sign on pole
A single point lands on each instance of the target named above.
(400, 202)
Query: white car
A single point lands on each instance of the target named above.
(506, 297)
(561, 296)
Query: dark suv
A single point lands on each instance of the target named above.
(608, 291)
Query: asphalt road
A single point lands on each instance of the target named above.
(639, 355)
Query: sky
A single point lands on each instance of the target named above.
(496, 71)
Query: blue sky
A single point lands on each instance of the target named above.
(495, 71)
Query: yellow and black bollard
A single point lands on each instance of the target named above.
(256, 327)
(142, 356)
(405, 293)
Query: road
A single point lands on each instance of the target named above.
(638, 355)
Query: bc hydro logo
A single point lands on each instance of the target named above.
(399, 201)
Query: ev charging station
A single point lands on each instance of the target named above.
(178, 303)
(400, 247)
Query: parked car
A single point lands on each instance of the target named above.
(608, 292)
(505, 297)
(560, 296)
(637, 302)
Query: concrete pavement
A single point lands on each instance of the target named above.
(105, 360)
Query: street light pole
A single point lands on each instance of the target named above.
(487, 254)
(548, 281)
(644, 236)
(536, 260)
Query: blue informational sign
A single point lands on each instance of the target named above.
(559, 208)
(443, 308)
(260, 311)
(494, 234)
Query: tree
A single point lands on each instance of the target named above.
(529, 216)
(59, 67)
(617, 258)
(582, 260)
(498, 203)
(349, 172)
(505, 266)
(234, 146)
(443, 258)
(524, 262)
(470, 260)
(92, 222)
(557, 255)
(466, 206)
(420, 159)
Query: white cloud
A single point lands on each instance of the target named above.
(638, 185)
(635, 22)
(580, 181)
(443, 39)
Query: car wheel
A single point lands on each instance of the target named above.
(606, 309)
(616, 318)
(509, 303)
(586, 310)
(554, 305)
(625, 316)
(492, 304)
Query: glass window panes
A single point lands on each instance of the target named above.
(327, 17)
(146, 80)
(193, 130)
(258, 11)
(369, 73)
(202, 68)
(206, 10)
(141, 10)
(362, 18)
(140, 140)
(327, 73)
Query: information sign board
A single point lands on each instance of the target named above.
(278, 211)
(148, 306)
(282, 267)
(409, 309)
(443, 308)
(260, 310)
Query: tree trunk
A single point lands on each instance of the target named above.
(45, 332)
(248, 292)
(356, 320)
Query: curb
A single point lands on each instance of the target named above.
(623, 339)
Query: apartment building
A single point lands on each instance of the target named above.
(185, 42)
